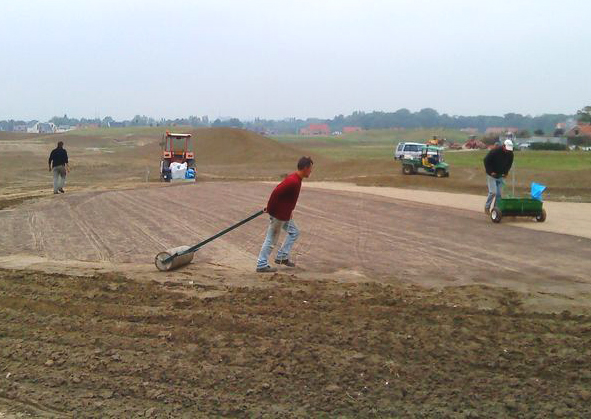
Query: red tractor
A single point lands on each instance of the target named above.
(176, 148)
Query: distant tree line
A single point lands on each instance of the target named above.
(425, 118)
(402, 118)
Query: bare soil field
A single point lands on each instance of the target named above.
(397, 308)
(376, 236)
(109, 346)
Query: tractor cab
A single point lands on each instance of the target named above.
(176, 148)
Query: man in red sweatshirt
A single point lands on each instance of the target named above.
(280, 207)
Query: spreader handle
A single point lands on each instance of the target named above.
(221, 233)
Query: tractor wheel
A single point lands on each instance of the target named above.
(440, 173)
(541, 217)
(496, 215)
(407, 169)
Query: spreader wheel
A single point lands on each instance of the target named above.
(496, 215)
(540, 218)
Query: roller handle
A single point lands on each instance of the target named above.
(212, 238)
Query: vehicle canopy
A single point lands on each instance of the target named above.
(177, 142)
(403, 143)
(431, 149)
(428, 151)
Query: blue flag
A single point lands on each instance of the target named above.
(536, 190)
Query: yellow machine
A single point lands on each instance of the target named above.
(436, 141)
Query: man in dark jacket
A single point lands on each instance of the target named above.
(497, 164)
(58, 163)
(280, 208)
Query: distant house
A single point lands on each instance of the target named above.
(115, 124)
(315, 129)
(560, 125)
(46, 128)
(580, 130)
(348, 130)
(33, 127)
(501, 130)
(20, 128)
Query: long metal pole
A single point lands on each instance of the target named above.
(221, 233)
(513, 175)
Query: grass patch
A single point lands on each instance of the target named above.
(342, 149)
(114, 132)
(372, 152)
(535, 160)
(391, 136)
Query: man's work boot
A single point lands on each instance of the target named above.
(266, 269)
(61, 190)
(285, 262)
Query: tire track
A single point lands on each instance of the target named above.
(39, 410)
(35, 228)
(101, 248)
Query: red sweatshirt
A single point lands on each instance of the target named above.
(284, 197)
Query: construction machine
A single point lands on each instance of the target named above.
(436, 141)
(176, 148)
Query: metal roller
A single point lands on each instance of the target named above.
(164, 262)
(183, 255)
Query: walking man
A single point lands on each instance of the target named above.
(58, 162)
(280, 207)
(497, 164)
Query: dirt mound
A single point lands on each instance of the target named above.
(227, 145)
(228, 153)
(231, 146)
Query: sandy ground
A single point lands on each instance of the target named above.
(563, 217)
(387, 239)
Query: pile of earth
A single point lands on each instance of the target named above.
(233, 153)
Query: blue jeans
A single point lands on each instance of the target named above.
(494, 190)
(273, 231)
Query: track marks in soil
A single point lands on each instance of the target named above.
(384, 238)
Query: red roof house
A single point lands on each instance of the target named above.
(316, 129)
(580, 130)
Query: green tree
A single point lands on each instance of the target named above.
(584, 115)
(539, 132)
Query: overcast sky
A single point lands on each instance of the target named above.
(280, 58)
